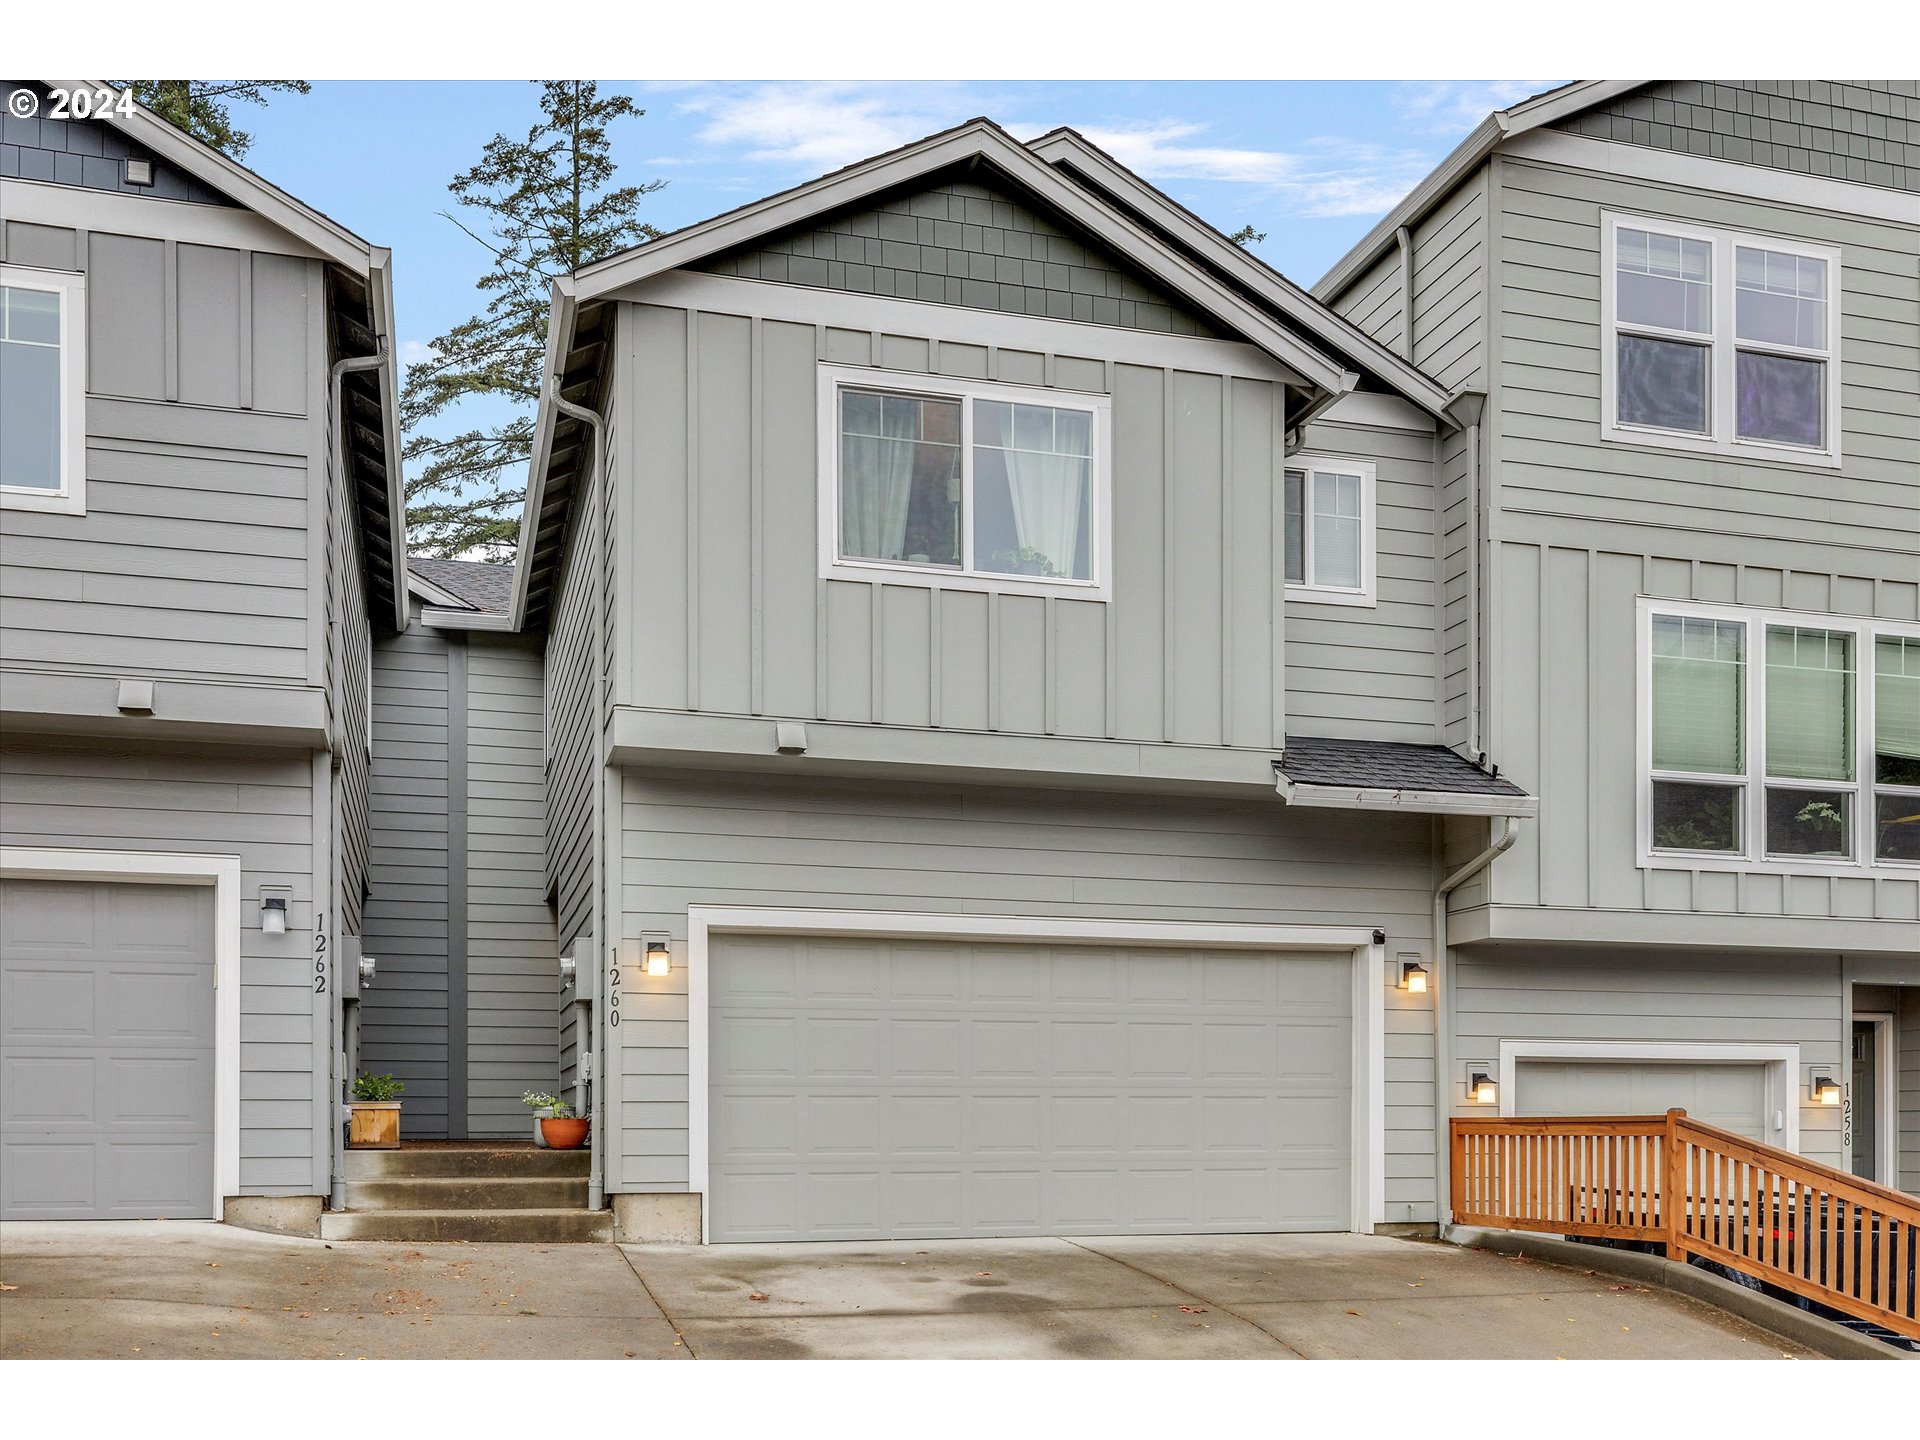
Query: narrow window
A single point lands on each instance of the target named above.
(1326, 510)
(1663, 292)
(42, 390)
(1809, 738)
(1032, 490)
(1699, 734)
(900, 478)
(1780, 308)
(1896, 747)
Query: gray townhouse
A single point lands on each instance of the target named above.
(201, 532)
(1009, 716)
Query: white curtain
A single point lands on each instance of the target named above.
(1046, 491)
(876, 484)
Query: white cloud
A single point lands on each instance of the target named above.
(412, 352)
(820, 127)
(1456, 106)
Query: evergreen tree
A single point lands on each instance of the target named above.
(547, 207)
(200, 107)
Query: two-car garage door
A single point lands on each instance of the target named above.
(106, 1051)
(868, 1087)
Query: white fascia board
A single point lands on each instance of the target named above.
(437, 618)
(205, 163)
(1102, 170)
(1414, 802)
(1083, 205)
(1481, 143)
(562, 312)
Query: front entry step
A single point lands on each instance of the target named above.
(476, 1192)
(546, 1226)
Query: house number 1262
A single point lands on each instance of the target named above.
(320, 952)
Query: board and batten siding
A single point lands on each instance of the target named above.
(735, 619)
(192, 560)
(697, 838)
(1523, 993)
(223, 801)
(512, 961)
(1367, 672)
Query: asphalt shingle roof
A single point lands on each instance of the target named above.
(483, 586)
(1387, 765)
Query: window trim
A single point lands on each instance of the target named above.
(1721, 343)
(1753, 779)
(71, 497)
(1307, 591)
(834, 566)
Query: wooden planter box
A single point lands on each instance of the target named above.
(374, 1125)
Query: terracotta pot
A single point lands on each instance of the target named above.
(374, 1125)
(564, 1134)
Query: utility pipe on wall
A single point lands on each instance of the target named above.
(607, 945)
(1443, 1012)
(1467, 410)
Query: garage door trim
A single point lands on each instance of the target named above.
(1368, 1200)
(222, 872)
(1782, 1064)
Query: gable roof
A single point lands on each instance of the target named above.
(373, 425)
(1500, 126)
(1235, 290)
(462, 584)
(1066, 147)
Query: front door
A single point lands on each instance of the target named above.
(1864, 1092)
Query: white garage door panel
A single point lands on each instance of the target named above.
(106, 1050)
(866, 1088)
(1731, 1096)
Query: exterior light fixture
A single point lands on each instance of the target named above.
(1413, 978)
(273, 914)
(1826, 1090)
(659, 958)
(1481, 1087)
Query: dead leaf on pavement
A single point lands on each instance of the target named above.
(1193, 1309)
(1356, 1312)
(755, 1295)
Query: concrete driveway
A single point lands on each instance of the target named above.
(199, 1290)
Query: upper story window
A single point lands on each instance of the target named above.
(1719, 341)
(1328, 512)
(1752, 729)
(987, 486)
(43, 379)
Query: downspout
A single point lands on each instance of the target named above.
(336, 1039)
(1443, 1014)
(607, 946)
(1404, 238)
(1467, 410)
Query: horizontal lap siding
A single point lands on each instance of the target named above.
(213, 801)
(696, 840)
(735, 619)
(1679, 998)
(512, 1036)
(1367, 672)
(404, 1015)
(192, 558)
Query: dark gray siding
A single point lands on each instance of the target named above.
(405, 1015)
(967, 244)
(1906, 1049)
(211, 800)
(87, 153)
(1859, 130)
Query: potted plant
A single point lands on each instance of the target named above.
(374, 1114)
(555, 1126)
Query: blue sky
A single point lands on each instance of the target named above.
(1312, 163)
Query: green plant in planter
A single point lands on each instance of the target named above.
(368, 1086)
(540, 1100)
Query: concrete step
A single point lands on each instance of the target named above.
(468, 1162)
(491, 1227)
(465, 1192)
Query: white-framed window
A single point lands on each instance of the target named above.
(43, 390)
(967, 484)
(1777, 739)
(1327, 510)
(1720, 341)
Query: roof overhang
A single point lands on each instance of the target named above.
(1485, 138)
(429, 593)
(1415, 802)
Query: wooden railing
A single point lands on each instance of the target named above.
(1804, 1227)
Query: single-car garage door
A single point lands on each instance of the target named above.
(1732, 1096)
(871, 1088)
(106, 1051)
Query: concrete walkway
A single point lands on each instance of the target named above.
(185, 1289)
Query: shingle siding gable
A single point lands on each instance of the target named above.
(1865, 132)
(86, 154)
(967, 244)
